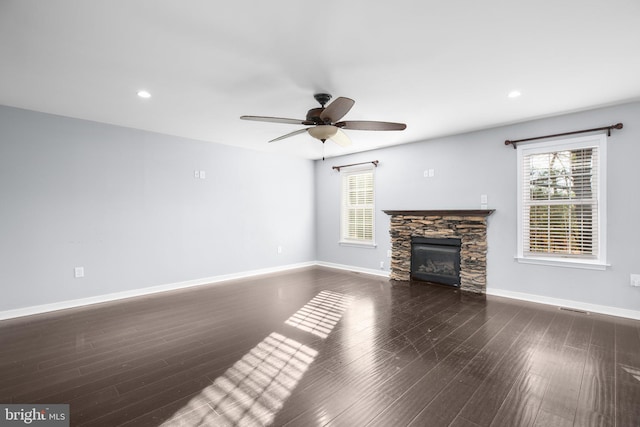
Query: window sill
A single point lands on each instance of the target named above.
(563, 262)
(369, 245)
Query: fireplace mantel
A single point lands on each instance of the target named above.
(445, 212)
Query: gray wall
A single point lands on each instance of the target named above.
(125, 205)
(472, 164)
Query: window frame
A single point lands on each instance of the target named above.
(344, 174)
(598, 262)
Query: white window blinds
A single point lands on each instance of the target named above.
(358, 206)
(561, 199)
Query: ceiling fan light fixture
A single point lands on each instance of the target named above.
(323, 132)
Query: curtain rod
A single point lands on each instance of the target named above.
(375, 163)
(607, 128)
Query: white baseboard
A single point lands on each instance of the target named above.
(62, 305)
(592, 308)
(381, 273)
(45, 308)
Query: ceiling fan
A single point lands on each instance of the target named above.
(324, 121)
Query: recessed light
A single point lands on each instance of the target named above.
(514, 94)
(144, 94)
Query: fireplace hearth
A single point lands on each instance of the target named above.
(436, 260)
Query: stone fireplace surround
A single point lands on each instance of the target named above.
(470, 226)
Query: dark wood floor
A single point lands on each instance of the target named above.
(324, 347)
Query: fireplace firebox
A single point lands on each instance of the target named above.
(436, 260)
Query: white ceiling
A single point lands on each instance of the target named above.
(441, 67)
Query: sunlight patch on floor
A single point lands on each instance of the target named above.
(254, 389)
(634, 372)
(320, 315)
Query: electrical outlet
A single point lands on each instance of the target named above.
(196, 174)
(78, 272)
(635, 280)
(381, 264)
(279, 249)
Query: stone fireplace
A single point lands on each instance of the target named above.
(469, 226)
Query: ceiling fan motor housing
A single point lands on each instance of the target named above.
(313, 115)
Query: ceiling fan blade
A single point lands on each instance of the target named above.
(294, 133)
(277, 120)
(367, 125)
(337, 109)
(341, 139)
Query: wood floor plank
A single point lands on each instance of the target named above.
(596, 402)
(458, 392)
(522, 404)
(627, 373)
(547, 419)
(360, 412)
(580, 333)
(352, 384)
(409, 404)
(603, 332)
(627, 401)
(462, 422)
(396, 355)
(483, 406)
(561, 398)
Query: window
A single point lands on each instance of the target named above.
(561, 212)
(357, 216)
